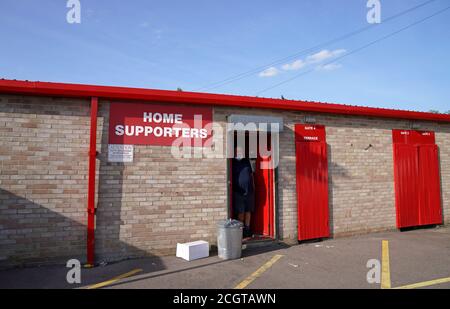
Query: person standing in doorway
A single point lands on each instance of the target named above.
(243, 189)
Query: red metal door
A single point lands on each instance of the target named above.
(406, 175)
(262, 221)
(430, 192)
(416, 175)
(312, 182)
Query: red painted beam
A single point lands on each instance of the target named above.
(140, 94)
(91, 183)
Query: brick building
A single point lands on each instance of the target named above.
(147, 205)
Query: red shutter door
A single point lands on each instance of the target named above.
(312, 188)
(430, 193)
(406, 175)
(417, 180)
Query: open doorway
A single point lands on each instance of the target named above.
(262, 217)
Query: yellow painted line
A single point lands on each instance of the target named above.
(385, 268)
(258, 272)
(425, 283)
(386, 272)
(115, 279)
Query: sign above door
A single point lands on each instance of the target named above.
(159, 124)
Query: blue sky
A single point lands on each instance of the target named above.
(190, 44)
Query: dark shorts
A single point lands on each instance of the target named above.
(242, 203)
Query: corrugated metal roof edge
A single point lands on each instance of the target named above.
(126, 93)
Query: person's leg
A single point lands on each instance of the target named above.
(249, 208)
(238, 207)
(243, 218)
(247, 218)
(247, 231)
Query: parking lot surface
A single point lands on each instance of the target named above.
(413, 259)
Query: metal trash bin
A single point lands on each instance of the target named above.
(229, 239)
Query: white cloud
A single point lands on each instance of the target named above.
(144, 24)
(329, 67)
(324, 55)
(272, 71)
(296, 65)
(314, 59)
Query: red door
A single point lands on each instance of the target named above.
(416, 175)
(430, 192)
(406, 175)
(262, 221)
(312, 182)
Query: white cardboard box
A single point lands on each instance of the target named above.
(193, 250)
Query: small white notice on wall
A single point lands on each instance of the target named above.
(120, 153)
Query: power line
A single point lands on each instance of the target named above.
(255, 70)
(358, 49)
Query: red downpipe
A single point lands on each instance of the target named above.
(91, 183)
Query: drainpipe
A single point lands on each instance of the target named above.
(91, 184)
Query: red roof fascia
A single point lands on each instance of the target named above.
(126, 93)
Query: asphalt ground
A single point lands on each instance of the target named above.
(412, 259)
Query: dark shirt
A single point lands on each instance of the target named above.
(242, 176)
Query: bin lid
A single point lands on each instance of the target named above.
(230, 223)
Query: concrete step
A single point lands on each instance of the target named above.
(257, 243)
